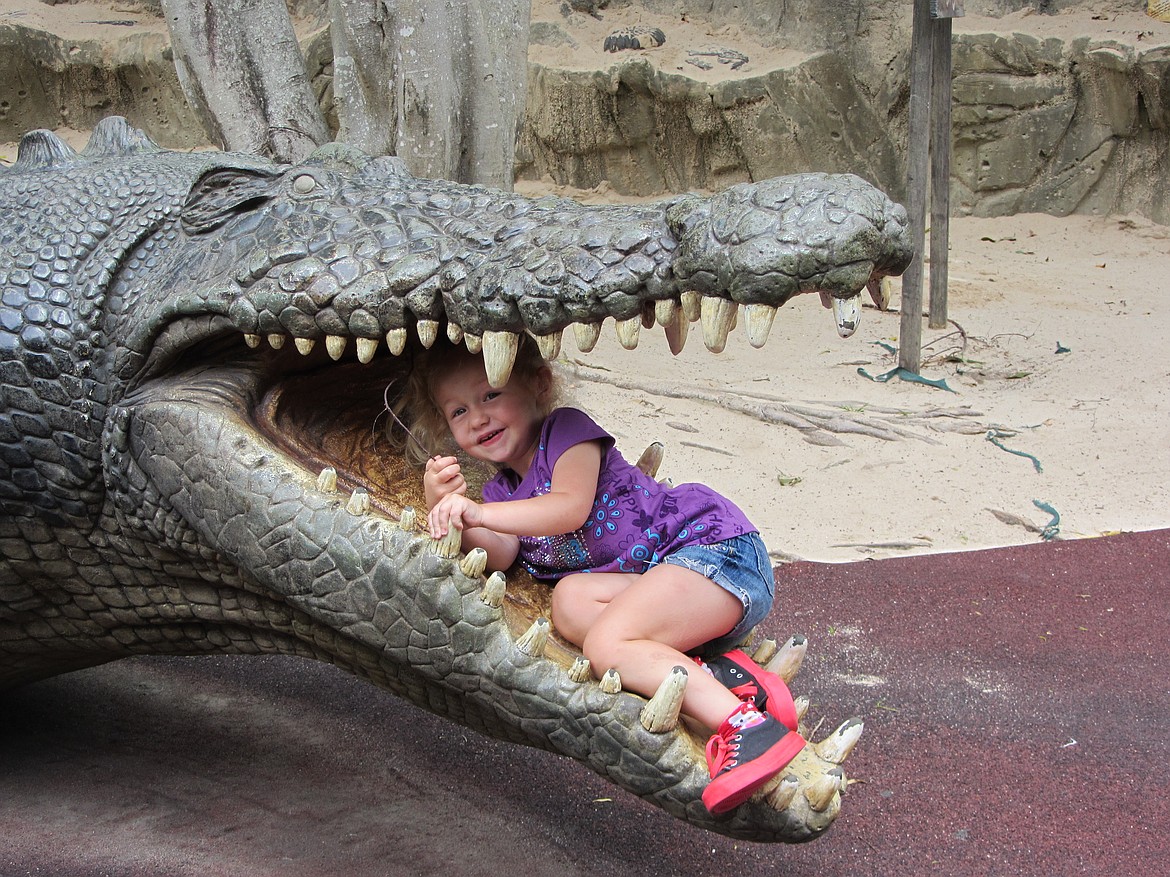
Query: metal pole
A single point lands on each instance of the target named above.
(917, 170)
(940, 171)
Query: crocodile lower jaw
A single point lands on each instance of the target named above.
(378, 596)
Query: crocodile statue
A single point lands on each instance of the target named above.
(196, 346)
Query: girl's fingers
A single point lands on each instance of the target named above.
(438, 464)
(442, 518)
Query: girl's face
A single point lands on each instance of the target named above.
(499, 426)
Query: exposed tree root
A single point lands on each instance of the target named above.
(818, 424)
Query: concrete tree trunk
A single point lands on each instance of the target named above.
(440, 83)
(241, 68)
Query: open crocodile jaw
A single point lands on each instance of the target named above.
(213, 504)
(367, 591)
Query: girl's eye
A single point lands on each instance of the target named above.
(489, 396)
(456, 412)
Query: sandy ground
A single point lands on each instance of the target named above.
(1054, 350)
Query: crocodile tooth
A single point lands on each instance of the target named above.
(764, 651)
(881, 291)
(787, 661)
(676, 332)
(493, 590)
(782, 795)
(499, 355)
(665, 311)
(717, 317)
(474, 342)
(692, 305)
(335, 346)
(837, 746)
(824, 789)
(406, 520)
(759, 323)
(661, 712)
(581, 670)
(448, 546)
(304, 345)
(627, 331)
(770, 785)
(428, 331)
(847, 312)
(647, 316)
(800, 704)
(251, 340)
(651, 459)
(550, 345)
(586, 335)
(534, 639)
(359, 502)
(327, 480)
(396, 341)
(474, 563)
(454, 333)
(366, 348)
(826, 300)
(611, 682)
(276, 341)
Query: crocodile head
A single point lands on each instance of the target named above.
(250, 326)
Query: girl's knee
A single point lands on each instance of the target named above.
(602, 647)
(568, 611)
(596, 650)
(563, 599)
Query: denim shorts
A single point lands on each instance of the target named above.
(741, 566)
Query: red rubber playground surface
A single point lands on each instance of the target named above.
(1016, 706)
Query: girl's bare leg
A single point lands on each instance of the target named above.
(579, 599)
(641, 625)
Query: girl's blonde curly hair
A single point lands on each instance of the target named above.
(419, 429)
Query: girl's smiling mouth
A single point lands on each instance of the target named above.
(486, 439)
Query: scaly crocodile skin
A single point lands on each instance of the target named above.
(189, 339)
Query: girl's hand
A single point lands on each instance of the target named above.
(442, 477)
(454, 510)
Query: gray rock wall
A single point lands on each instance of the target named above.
(1051, 122)
(1057, 123)
(645, 131)
(47, 81)
(1060, 127)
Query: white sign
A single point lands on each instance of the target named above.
(946, 9)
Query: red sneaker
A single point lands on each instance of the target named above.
(747, 680)
(741, 759)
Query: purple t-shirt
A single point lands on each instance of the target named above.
(635, 521)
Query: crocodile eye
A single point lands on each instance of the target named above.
(304, 184)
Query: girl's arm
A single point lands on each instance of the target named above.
(563, 509)
(501, 548)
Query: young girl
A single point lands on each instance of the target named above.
(644, 574)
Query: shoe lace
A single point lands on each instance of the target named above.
(721, 752)
(747, 691)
